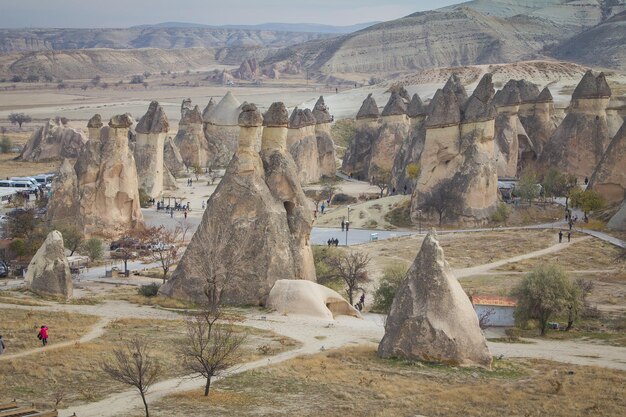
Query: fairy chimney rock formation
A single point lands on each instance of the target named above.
(396, 106)
(254, 225)
(49, 270)
(302, 145)
(618, 221)
(93, 126)
(325, 145)
(392, 134)
(206, 113)
(369, 109)
(103, 185)
(609, 177)
(53, 141)
(580, 141)
(190, 139)
(172, 158)
(431, 318)
(221, 130)
(416, 107)
(151, 131)
(358, 156)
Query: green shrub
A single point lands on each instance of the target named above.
(5, 145)
(386, 291)
(93, 248)
(143, 198)
(150, 290)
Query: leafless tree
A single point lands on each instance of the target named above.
(162, 245)
(443, 199)
(483, 318)
(132, 365)
(351, 268)
(382, 179)
(183, 227)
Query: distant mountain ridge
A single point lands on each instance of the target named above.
(273, 27)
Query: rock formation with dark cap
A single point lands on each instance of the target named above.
(369, 109)
(592, 86)
(431, 317)
(395, 106)
(416, 107)
(327, 160)
(302, 145)
(320, 111)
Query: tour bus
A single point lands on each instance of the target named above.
(44, 179)
(20, 185)
(29, 179)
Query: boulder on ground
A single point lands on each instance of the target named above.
(49, 270)
(431, 317)
(618, 221)
(307, 298)
(54, 140)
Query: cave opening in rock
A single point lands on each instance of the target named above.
(289, 207)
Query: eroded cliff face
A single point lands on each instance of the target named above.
(53, 141)
(302, 145)
(151, 132)
(102, 189)
(578, 144)
(256, 227)
(221, 130)
(190, 139)
(609, 177)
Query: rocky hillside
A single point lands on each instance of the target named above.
(603, 45)
(20, 40)
(478, 32)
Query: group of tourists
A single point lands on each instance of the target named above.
(333, 242)
(42, 335)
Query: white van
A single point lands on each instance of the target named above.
(28, 179)
(20, 185)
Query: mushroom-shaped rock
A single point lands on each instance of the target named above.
(301, 118)
(320, 112)
(431, 317)
(444, 109)
(591, 86)
(49, 270)
(226, 112)
(191, 116)
(95, 122)
(545, 96)
(250, 116)
(395, 106)
(185, 106)
(276, 116)
(308, 298)
(154, 121)
(508, 96)
(369, 109)
(528, 91)
(416, 107)
(121, 121)
(206, 113)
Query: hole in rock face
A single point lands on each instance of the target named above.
(289, 207)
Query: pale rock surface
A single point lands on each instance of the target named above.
(325, 145)
(578, 144)
(54, 140)
(431, 318)
(49, 271)
(609, 177)
(618, 221)
(256, 227)
(190, 139)
(307, 298)
(103, 188)
(302, 145)
(221, 130)
(393, 132)
(411, 149)
(172, 158)
(151, 131)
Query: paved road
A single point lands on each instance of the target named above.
(320, 235)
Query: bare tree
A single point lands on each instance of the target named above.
(443, 199)
(19, 118)
(183, 227)
(382, 179)
(132, 365)
(351, 268)
(162, 244)
(483, 318)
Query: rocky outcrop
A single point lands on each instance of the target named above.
(307, 298)
(393, 132)
(459, 154)
(609, 177)
(618, 221)
(221, 130)
(248, 70)
(190, 140)
(172, 158)
(325, 145)
(411, 150)
(302, 145)
(578, 144)
(431, 318)
(53, 141)
(102, 189)
(256, 227)
(49, 271)
(151, 131)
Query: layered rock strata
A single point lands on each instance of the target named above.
(256, 227)
(49, 271)
(431, 317)
(53, 141)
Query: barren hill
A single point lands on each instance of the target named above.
(603, 45)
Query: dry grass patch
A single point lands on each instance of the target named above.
(500, 284)
(354, 381)
(11, 168)
(75, 370)
(589, 254)
(19, 327)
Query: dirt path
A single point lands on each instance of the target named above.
(480, 269)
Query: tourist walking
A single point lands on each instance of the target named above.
(322, 208)
(343, 225)
(569, 236)
(560, 236)
(43, 335)
(3, 347)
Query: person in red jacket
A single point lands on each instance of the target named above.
(43, 335)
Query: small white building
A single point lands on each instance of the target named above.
(496, 310)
